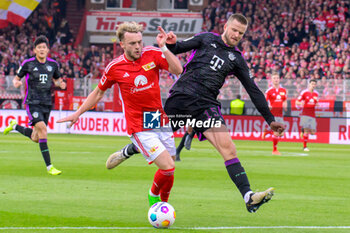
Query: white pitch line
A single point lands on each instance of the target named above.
(178, 228)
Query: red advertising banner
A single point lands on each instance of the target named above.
(61, 100)
(251, 128)
(75, 102)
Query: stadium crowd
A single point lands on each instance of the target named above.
(305, 39)
(299, 39)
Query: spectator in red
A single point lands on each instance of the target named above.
(305, 44)
(331, 19)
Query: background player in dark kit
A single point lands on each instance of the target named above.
(41, 72)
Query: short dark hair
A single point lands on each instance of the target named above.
(312, 80)
(41, 39)
(239, 17)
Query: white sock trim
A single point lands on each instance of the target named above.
(153, 195)
(247, 196)
(49, 167)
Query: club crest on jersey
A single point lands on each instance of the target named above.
(49, 68)
(149, 66)
(231, 56)
(35, 114)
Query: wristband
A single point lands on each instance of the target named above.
(164, 48)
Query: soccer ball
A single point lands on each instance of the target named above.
(161, 215)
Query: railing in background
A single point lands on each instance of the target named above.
(330, 89)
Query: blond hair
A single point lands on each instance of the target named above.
(128, 27)
(275, 73)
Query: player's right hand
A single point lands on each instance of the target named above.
(171, 38)
(161, 37)
(277, 127)
(71, 118)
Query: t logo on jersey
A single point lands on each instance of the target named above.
(151, 120)
(43, 78)
(216, 63)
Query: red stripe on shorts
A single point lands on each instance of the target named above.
(140, 145)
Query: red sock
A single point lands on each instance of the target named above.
(165, 191)
(306, 137)
(162, 183)
(275, 142)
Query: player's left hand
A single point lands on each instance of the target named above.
(63, 85)
(277, 127)
(161, 37)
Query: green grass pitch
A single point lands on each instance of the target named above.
(312, 189)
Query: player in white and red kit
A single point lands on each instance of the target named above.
(136, 72)
(276, 96)
(308, 99)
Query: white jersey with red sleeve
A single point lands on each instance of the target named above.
(138, 83)
(276, 97)
(310, 100)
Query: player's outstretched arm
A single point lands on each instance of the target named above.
(175, 66)
(94, 97)
(16, 82)
(177, 47)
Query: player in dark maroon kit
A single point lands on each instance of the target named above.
(40, 72)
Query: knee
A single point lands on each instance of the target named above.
(228, 146)
(44, 134)
(41, 132)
